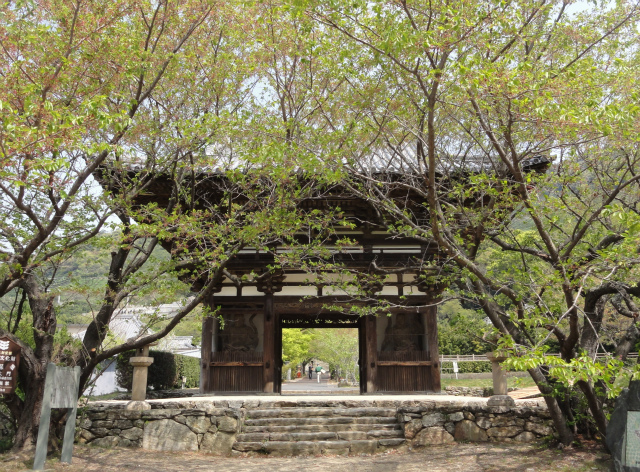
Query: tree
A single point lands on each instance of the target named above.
(471, 100)
(460, 331)
(296, 343)
(339, 348)
(102, 106)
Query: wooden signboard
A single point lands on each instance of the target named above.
(9, 362)
(60, 391)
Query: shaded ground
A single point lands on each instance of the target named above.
(452, 458)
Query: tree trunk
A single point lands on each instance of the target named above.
(28, 413)
(559, 421)
(595, 405)
(33, 366)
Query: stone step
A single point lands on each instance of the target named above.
(319, 420)
(321, 427)
(321, 412)
(318, 436)
(303, 448)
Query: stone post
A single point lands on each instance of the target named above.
(140, 363)
(500, 395)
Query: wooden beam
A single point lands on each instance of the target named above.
(205, 354)
(405, 363)
(313, 324)
(269, 344)
(235, 364)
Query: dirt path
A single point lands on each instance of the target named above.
(454, 458)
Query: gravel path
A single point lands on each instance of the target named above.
(453, 458)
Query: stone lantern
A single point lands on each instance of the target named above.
(500, 395)
(140, 362)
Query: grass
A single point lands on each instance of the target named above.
(519, 382)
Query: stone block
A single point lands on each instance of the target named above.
(167, 435)
(468, 415)
(211, 410)
(227, 424)
(526, 436)
(138, 405)
(432, 419)
(351, 435)
(102, 424)
(500, 421)
(300, 448)
(100, 432)
(157, 414)
(132, 434)
(484, 422)
(123, 424)
(198, 424)
(364, 447)
(219, 443)
(432, 436)
(504, 432)
(328, 445)
(253, 437)
(107, 442)
(467, 430)
(412, 428)
(391, 442)
(86, 435)
(450, 427)
(457, 416)
(385, 433)
(248, 446)
(501, 401)
(539, 429)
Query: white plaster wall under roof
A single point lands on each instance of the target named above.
(298, 291)
(412, 290)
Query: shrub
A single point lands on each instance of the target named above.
(188, 367)
(165, 373)
(468, 367)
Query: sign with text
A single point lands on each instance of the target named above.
(9, 361)
(632, 451)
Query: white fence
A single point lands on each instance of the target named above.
(483, 358)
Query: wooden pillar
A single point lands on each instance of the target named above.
(362, 355)
(269, 354)
(371, 347)
(205, 354)
(432, 346)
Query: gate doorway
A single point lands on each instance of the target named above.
(335, 350)
(242, 348)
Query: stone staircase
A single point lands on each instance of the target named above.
(319, 430)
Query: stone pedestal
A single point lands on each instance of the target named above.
(500, 392)
(140, 364)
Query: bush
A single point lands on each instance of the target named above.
(162, 374)
(188, 367)
(468, 367)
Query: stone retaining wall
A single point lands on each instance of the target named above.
(474, 423)
(211, 425)
(211, 430)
